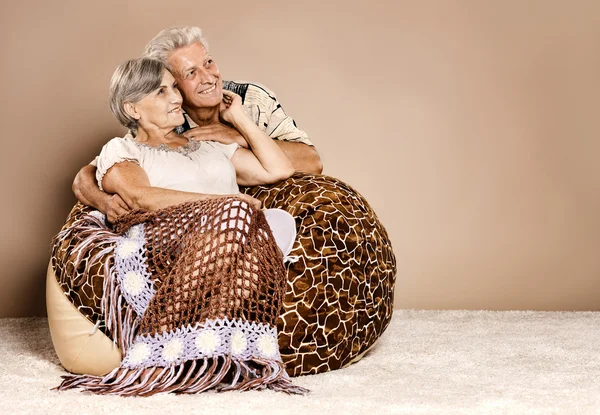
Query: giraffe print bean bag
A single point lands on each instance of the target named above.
(340, 289)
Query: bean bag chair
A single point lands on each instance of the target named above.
(340, 282)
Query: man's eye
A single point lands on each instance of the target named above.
(209, 62)
(190, 73)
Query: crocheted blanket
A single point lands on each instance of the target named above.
(191, 295)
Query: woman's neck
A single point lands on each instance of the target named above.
(156, 135)
(203, 116)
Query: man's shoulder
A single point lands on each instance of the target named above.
(249, 91)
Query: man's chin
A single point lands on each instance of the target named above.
(207, 102)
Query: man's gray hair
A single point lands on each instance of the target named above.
(131, 82)
(171, 39)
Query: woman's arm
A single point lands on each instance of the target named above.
(131, 182)
(266, 162)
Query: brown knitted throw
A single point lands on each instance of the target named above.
(192, 296)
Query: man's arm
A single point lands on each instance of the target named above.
(304, 158)
(87, 192)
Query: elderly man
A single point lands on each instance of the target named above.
(185, 52)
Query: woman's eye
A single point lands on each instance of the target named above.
(160, 91)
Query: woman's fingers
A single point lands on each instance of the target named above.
(255, 203)
(229, 96)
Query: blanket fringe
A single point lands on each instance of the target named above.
(122, 322)
(95, 240)
(220, 373)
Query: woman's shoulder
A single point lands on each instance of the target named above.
(116, 150)
(121, 146)
(126, 141)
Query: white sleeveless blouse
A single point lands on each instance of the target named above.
(199, 166)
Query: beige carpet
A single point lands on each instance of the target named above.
(428, 362)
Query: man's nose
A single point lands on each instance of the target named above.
(206, 77)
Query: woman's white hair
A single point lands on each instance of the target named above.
(171, 39)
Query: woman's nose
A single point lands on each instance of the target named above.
(175, 96)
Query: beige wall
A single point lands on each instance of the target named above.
(470, 126)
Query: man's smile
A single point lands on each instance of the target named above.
(209, 90)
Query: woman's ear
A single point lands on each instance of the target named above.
(131, 110)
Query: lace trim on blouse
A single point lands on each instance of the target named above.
(186, 149)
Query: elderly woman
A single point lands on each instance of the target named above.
(197, 281)
(184, 50)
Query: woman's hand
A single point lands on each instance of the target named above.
(231, 110)
(255, 203)
(231, 107)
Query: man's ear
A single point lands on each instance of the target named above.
(131, 110)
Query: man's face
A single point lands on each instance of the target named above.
(197, 76)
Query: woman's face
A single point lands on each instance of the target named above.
(162, 107)
(198, 76)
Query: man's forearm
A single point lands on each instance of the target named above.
(304, 158)
(87, 191)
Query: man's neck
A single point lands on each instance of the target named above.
(203, 116)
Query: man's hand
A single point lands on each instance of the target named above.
(87, 192)
(115, 207)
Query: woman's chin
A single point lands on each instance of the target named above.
(176, 121)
